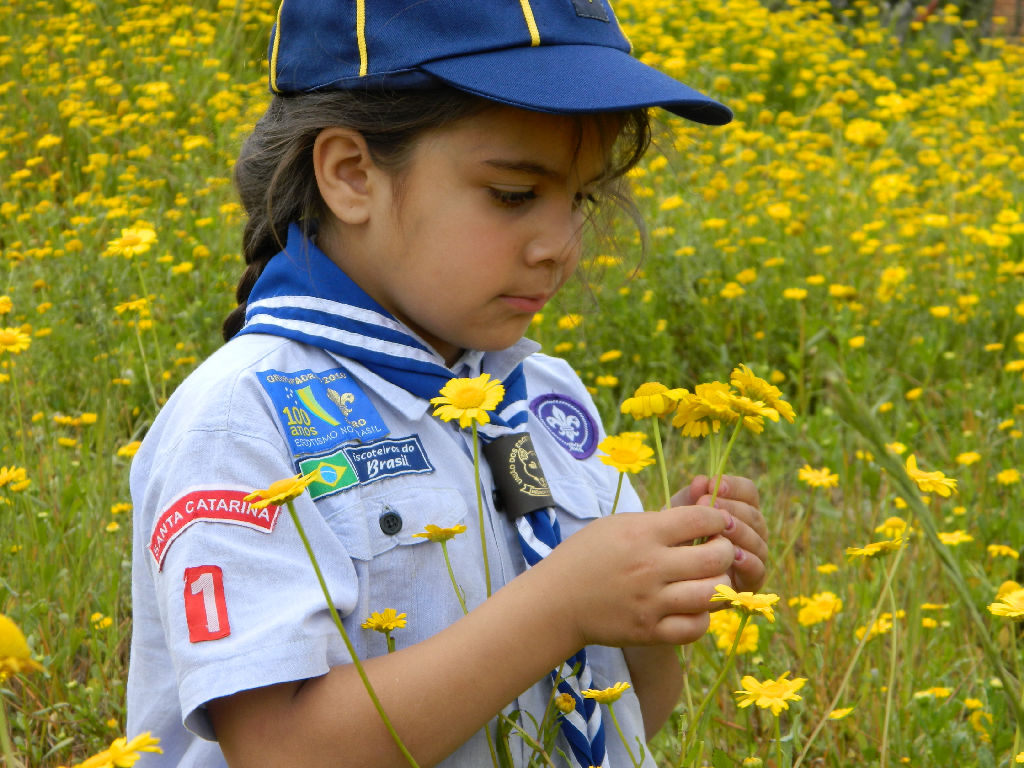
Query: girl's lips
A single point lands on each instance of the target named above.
(526, 303)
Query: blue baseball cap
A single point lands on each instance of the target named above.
(560, 56)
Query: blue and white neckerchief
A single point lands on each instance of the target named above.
(303, 295)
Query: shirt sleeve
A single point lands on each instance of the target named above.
(236, 594)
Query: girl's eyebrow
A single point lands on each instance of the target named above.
(524, 166)
(533, 168)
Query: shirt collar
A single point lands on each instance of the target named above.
(472, 363)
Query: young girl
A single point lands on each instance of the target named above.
(416, 192)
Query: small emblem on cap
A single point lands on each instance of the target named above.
(590, 9)
(568, 422)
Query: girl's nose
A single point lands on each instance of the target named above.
(557, 238)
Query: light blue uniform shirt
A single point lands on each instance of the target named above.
(224, 597)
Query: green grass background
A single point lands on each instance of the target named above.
(875, 163)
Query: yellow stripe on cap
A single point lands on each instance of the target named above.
(361, 35)
(273, 53)
(531, 23)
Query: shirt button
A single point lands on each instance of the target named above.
(391, 523)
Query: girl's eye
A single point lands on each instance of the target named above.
(587, 200)
(511, 198)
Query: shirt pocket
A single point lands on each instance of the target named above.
(369, 524)
(576, 503)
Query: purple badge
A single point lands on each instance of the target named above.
(568, 422)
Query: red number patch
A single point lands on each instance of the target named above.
(206, 610)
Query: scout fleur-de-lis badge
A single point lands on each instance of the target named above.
(564, 423)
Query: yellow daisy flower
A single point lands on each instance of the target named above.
(758, 389)
(439, 534)
(282, 491)
(724, 625)
(748, 601)
(875, 548)
(705, 410)
(15, 657)
(952, 538)
(1002, 550)
(565, 703)
(468, 400)
(930, 482)
(1009, 604)
(386, 621)
(819, 607)
(652, 398)
(14, 340)
(606, 695)
(818, 478)
(132, 242)
(14, 478)
(625, 453)
(771, 694)
(123, 753)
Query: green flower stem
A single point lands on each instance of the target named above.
(698, 719)
(1016, 672)
(462, 604)
(684, 654)
(661, 462)
(618, 489)
(778, 740)
(891, 685)
(480, 507)
(390, 641)
(622, 736)
(145, 365)
(530, 742)
(720, 468)
(858, 417)
(5, 739)
(22, 435)
(156, 338)
(348, 643)
(451, 575)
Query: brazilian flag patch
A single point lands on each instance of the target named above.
(336, 474)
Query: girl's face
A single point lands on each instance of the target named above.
(486, 228)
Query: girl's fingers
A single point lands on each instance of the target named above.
(680, 629)
(738, 489)
(741, 510)
(690, 564)
(748, 572)
(679, 525)
(744, 536)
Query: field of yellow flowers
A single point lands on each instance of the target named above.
(856, 237)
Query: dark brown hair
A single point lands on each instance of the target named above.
(274, 172)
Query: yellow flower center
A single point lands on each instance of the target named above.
(624, 455)
(8, 338)
(469, 394)
(649, 388)
(280, 486)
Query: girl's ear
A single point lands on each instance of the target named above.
(345, 173)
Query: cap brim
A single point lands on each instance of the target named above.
(574, 79)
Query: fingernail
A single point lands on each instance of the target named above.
(723, 488)
(730, 522)
(740, 554)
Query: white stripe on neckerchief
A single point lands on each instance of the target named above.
(303, 295)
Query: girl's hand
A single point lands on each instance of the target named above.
(745, 526)
(628, 580)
